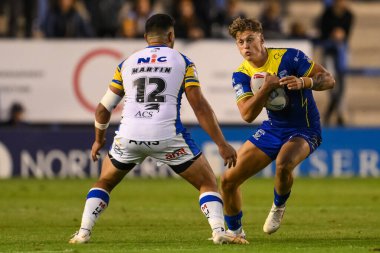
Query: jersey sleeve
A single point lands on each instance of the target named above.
(241, 83)
(191, 75)
(117, 80)
(300, 62)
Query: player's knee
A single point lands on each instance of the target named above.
(284, 169)
(227, 184)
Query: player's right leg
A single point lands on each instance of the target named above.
(97, 201)
(201, 176)
(250, 161)
(186, 159)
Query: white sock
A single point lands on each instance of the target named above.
(212, 206)
(97, 201)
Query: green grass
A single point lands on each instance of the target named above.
(323, 215)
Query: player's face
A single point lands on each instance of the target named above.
(250, 44)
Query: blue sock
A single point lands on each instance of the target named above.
(279, 200)
(234, 222)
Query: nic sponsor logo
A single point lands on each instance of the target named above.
(151, 59)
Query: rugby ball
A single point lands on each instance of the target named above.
(277, 99)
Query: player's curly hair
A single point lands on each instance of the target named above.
(244, 24)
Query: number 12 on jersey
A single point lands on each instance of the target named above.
(153, 96)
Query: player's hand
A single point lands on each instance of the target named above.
(228, 153)
(271, 82)
(292, 82)
(95, 155)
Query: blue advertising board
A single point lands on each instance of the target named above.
(344, 152)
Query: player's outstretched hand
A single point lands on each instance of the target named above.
(95, 149)
(228, 153)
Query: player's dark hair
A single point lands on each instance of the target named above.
(244, 24)
(159, 23)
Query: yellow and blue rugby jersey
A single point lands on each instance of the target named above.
(301, 110)
(153, 80)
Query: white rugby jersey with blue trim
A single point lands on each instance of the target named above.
(153, 80)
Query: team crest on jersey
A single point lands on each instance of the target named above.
(151, 59)
(278, 55)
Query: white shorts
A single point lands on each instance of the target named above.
(177, 151)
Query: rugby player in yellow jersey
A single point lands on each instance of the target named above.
(289, 136)
(153, 81)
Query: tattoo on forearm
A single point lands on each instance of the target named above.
(321, 81)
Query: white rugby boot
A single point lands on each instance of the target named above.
(81, 236)
(240, 232)
(273, 221)
(227, 238)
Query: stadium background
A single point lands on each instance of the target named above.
(59, 81)
(45, 169)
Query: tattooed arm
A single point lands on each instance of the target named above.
(322, 79)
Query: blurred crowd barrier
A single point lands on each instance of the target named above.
(63, 81)
(345, 152)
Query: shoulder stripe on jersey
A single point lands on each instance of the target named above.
(188, 80)
(117, 86)
(117, 81)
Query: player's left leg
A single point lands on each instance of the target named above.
(291, 154)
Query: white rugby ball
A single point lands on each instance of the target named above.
(277, 99)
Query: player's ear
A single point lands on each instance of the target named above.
(171, 36)
(146, 37)
(262, 38)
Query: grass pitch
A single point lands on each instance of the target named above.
(162, 215)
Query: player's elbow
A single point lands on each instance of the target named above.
(247, 117)
(101, 112)
(248, 113)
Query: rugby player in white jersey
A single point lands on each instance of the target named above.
(152, 81)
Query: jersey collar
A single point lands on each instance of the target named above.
(157, 46)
